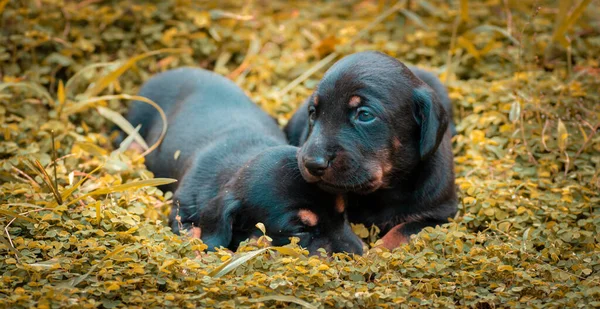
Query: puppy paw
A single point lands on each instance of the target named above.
(394, 238)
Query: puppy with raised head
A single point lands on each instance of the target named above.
(234, 167)
(379, 130)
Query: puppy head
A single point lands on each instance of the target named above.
(270, 189)
(369, 119)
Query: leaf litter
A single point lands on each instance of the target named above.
(84, 226)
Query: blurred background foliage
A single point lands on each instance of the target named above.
(82, 226)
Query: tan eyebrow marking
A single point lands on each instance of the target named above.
(340, 206)
(354, 101)
(308, 217)
(316, 100)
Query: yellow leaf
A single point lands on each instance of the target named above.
(261, 227)
(468, 200)
(90, 148)
(61, 95)
(464, 10)
(2, 5)
(98, 212)
(459, 245)
(563, 135)
(113, 287)
(468, 45)
(505, 268)
(166, 264)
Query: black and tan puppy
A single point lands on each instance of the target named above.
(234, 167)
(377, 129)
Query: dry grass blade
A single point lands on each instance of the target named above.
(128, 186)
(16, 215)
(71, 80)
(284, 298)
(236, 261)
(31, 86)
(253, 49)
(67, 193)
(398, 6)
(39, 168)
(464, 10)
(134, 185)
(22, 205)
(7, 244)
(114, 75)
(86, 103)
(308, 73)
(54, 169)
(568, 22)
(124, 145)
(490, 28)
(120, 121)
(415, 18)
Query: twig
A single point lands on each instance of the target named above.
(531, 157)
(396, 7)
(587, 141)
(544, 134)
(13, 220)
(455, 25)
(68, 22)
(10, 238)
(33, 183)
(85, 3)
(54, 160)
(78, 173)
(59, 159)
(508, 17)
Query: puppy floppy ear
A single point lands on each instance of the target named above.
(431, 117)
(216, 220)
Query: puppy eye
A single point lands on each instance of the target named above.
(312, 113)
(364, 115)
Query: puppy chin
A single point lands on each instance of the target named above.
(375, 181)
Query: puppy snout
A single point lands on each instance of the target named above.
(316, 166)
(355, 247)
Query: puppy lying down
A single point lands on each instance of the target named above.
(234, 167)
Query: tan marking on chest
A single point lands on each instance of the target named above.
(340, 205)
(396, 143)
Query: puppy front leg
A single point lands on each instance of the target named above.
(400, 234)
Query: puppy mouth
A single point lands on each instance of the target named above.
(370, 185)
(362, 188)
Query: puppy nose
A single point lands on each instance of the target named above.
(316, 166)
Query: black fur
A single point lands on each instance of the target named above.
(235, 168)
(397, 167)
